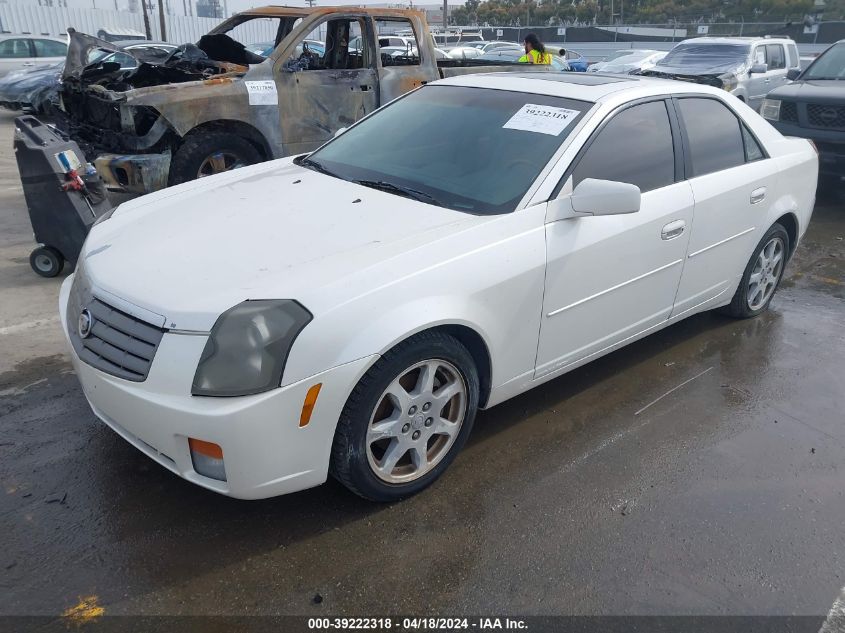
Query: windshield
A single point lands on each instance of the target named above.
(419, 144)
(696, 55)
(829, 65)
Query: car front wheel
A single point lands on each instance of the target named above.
(407, 418)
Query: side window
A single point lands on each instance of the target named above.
(760, 55)
(49, 48)
(15, 48)
(336, 44)
(777, 59)
(792, 54)
(645, 157)
(393, 49)
(714, 135)
(753, 151)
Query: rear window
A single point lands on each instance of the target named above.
(714, 135)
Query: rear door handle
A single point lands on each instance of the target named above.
(758, 195)
(673, 230)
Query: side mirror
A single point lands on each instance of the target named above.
(339, 132)
(793, 73)
(759, 69)
(595, 197)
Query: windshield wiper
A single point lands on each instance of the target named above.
(313, 164)
(398, 189)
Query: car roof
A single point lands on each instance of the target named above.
(736, 40)
(582, 86)
(30, 36)
(142, 43)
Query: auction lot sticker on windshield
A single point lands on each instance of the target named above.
(541, 119)
(262, 92)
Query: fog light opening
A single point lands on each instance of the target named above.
(207, 459)
(308, 405)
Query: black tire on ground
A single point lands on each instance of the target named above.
(349, 461)
(739, 306)
(198, 148)
(46, 261)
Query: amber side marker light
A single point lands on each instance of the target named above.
(308, 405)
(207, 458)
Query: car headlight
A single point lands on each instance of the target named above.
(770, 109)
(248, 347)
(729, 81)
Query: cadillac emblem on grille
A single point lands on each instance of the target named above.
(85, 323)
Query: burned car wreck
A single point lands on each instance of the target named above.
(102, 104)
(215, 106)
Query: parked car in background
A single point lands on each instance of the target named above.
(266, 48)
(744, 66)
(513, 55)
(26, 52)
(361, 340)
(486, 47)
(32, 90)
(465, 52)
(120, 34)
(628, 61)
(576, 60)
(813, 107)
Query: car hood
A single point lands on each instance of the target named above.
(79, 47)
(827, 91)
(273, 230)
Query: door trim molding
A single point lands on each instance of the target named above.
(727, 239)
(616, 287)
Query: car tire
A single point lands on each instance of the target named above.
(210, 153)
(46, 261)
(385, 447)
(762, 275)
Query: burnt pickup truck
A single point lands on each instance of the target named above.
(219, 104)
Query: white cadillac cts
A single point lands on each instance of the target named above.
(348, 312)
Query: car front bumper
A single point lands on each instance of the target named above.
(830, 144)
(134, 173)
(265, 451)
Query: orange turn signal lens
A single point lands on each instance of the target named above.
(308, 405)
(209, 449)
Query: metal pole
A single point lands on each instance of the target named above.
(161, 20)
(445, 18)
(147, 29)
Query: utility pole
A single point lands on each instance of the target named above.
(161, 20)
(445, 18)
(147, 29)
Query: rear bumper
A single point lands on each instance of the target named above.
(134, 173)
(265, 451)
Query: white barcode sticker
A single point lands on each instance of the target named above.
(541, 119)
(262, 92)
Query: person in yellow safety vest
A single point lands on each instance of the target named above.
(535, 52)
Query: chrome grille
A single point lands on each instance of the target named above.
(789, 112)
(118, 343)
(830, 116)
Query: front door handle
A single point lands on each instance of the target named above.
(673, 230)
(758, 195)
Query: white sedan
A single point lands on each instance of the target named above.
(349, 311)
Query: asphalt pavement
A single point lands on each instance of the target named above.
(699, 471)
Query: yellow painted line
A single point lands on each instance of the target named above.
(84, 612)
(829, 280)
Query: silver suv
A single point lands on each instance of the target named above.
(747, 67)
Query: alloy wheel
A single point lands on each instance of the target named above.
(416, 421)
